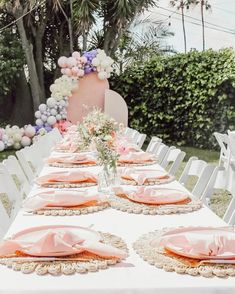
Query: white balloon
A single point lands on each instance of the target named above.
(44, 118)
(53, 112)
(51, 120)
(62, 103)
(42, 107)
(95, 61)
(2, 146)
(37, 114)
(25, 141)
(64, 116)
(39, 122)
(102, 75)
(17, 145)
(58, 116)
(17, 137)
(10, 142)
(15, 128)
(4, 137)
(30, 131)
(51, 102)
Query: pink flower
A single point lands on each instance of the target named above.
(122, 150)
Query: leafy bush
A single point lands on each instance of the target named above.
(182, 98)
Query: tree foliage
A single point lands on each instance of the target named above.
(183, 98)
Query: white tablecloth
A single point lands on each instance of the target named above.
(132, 275)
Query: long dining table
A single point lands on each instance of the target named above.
(131, 276)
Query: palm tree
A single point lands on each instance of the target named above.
(204, 5)
(180, 5)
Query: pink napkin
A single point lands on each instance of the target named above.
(72, 159)
(140, 176)
(60, 242)
(62, 198)
(153, 195)
(136, 157)
(201, 243)
(72, 177)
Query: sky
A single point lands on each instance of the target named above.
(221, 19)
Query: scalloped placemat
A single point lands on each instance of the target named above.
(149, 183)
(121, 202)
(82, 209)
(138, 164)
(79, 263)
(170, 262)
(67, 185)
(70, 165)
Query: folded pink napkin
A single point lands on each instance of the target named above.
(140, 176)
(59, 241)
(201, 243)
(158, 196)
(136, 157)
(72, 177)
(62, 198)
(72, 159)
(124, 147)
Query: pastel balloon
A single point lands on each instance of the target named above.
(51, 102)
(51, 120)
(96, 62)
(39, 122)
(62, 61)
(83, 59)
(68, 72)
(75, 70)
(37, 114)
(58, 116)
(29, 131)
(71, 62)
(17, 145)
(102, 75)
(76, 54)
(25, 141)
(2, 146)
(62, 71)
(81, 73)
(42, 107)
(17, 137)
(53, 111)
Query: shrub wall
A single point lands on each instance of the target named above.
(182, 98)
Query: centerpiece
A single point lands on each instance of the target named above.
(99, 131)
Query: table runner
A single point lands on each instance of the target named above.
(131, 276)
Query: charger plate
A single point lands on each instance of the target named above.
(121, 202)
(68, 185)
(138, 164)
(71, 165)
(67, 265)
(170, 262)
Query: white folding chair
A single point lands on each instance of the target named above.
(172, 160)
(220, 180)
(140, 140)
(153, 144)
(199, 169)
(135, 136)
(161, 152)
(4, 220)
(8, 188)
(223, 142)
(231, 146)
(18, 175)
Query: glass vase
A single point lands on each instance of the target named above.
(108, 179)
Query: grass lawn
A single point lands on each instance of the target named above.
(219, 201)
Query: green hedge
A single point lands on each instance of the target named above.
(182, 98)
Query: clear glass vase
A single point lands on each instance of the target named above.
(108, 179)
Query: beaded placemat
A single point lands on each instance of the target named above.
(137, 164)
(81, 209)
(79, 263)
(121, 202)
(67, 185)
(70, 165)
(170, 262)
(149, 182)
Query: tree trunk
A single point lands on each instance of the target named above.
(184, 32)
(84, 41)
(39, 65)
(33, 76)
(203, 26)
(22, 112)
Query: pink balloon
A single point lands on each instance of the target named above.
(75, 70)
(81, 72)
(71, 62)
(76, 54)
(63, 71)
(62, 61)
(68, 72)
(83, 59)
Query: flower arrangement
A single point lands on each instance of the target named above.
(99, 130)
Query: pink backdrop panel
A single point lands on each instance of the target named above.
(91, 92)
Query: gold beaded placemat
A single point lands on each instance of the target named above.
(138, 164)
(166, 180)
(81, 209)
(79, 263)
(121, 202)
(170, 262)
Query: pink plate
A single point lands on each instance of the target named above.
(162, 196)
